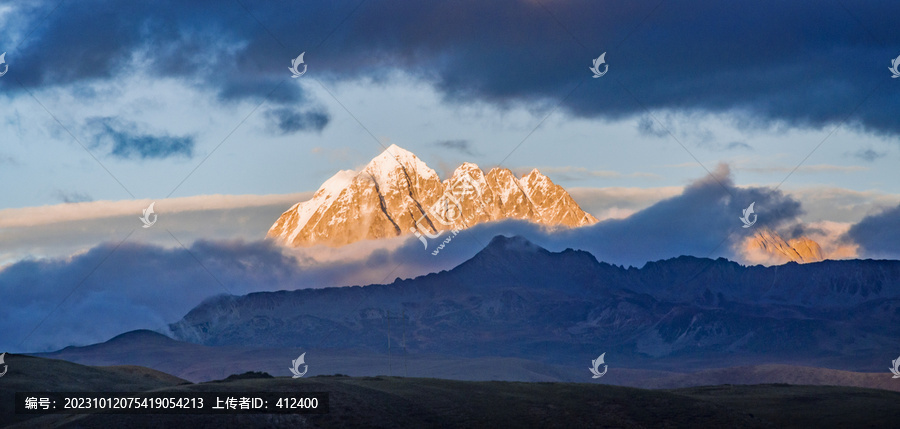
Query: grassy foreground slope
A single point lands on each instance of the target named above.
(395, 402)
(791, 406)
(26, 373)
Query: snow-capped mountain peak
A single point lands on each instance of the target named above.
(397, 193)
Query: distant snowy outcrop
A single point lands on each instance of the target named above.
(770, 248)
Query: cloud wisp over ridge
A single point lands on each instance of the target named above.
(878, 235)
(147, 286)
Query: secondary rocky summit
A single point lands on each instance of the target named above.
(769, 247)
(397, 193)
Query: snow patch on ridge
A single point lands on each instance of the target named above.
(323, 198)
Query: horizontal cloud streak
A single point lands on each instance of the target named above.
(36, 216)
(64, 229)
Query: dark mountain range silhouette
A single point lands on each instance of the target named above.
(517, 300)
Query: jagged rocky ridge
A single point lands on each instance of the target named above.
(397, 193)
(777, 250)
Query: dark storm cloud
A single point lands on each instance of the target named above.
(8, 160)
(738, 145)
(869, 155)
(73, 197)
(774, 63)
(208, 44)
(461, 146)
(287, 120)
(648, 127)
(127, 141)
(714, 145)
(878, 235)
